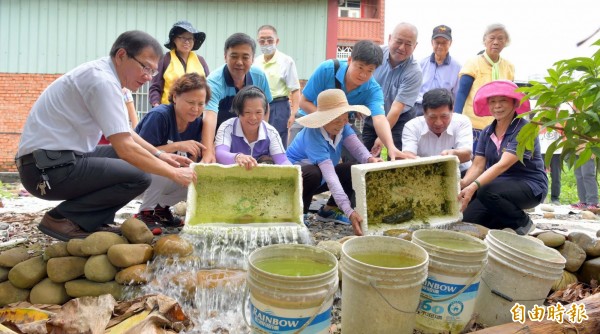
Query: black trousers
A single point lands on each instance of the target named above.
(555, 172)
(92, 190)
(500, 204)
(311, 183)
(369, 135)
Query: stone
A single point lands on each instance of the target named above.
(594, 248)
(82, 287)
(136, 231)
(74, 247)
(552, 239)
(474, 230)
(547, 208)
(172, 245)
(58, 249)
(208, 279)
(4, 274)
(133, 275)
(48, 292)
(565, 279)
(590, 245)
(127, 255)
(10, 258)
(11, 294)
(588, 215)
(598, 233)
(574, 255)
(331, 246)
(180, 208)
(549, 215)
(4, 226)
(99, 242)
(99, 269)
(28, 273)
(534, 239)
(63, 269)
(590, 270)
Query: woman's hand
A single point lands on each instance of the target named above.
(192, 147)
(356, 221)
(374, 159)
(465, 195)
(246, 161)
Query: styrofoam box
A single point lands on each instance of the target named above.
(407, 194)
(267, 194)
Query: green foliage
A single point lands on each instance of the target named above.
(5, 192)
(568, 101)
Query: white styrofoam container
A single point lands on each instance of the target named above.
(388, 191)
(231, 195)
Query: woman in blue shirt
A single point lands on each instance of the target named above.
(318, 148)
(497, 187)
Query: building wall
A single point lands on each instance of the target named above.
(44, 38)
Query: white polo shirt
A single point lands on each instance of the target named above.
(418, 139)
(74, 111)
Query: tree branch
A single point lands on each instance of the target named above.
(560, 128)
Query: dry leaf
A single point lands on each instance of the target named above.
(84, 315)
(22, 315)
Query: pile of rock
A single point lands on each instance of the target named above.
(102, 263)
(582, 253)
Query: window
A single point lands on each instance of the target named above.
(349, 8)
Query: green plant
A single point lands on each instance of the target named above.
(567, 101)
(5, 192)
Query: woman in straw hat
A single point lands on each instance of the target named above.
(184, 39)
(248, 139)
(497, 187)
(318, 148)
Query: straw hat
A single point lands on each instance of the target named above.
(331, 104)
(497, 88)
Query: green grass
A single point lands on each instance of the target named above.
(568, 186)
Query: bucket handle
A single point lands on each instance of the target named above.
(387, 301)
(330, 293)
(467, 285)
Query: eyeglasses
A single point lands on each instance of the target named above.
(186, 39)
(147, 70)
(266, 41)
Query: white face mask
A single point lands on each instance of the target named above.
(268, 49)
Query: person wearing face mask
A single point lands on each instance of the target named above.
(283, 81)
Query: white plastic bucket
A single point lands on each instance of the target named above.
(291, 289)
(448, 295)
(380, 297)
(519, 270)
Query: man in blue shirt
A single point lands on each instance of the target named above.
(355, 78)
(439, 69)
(225, 82)
(400, 78)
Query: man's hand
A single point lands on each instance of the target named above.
(374, 159)
(175, 160)
(184, 176)
(192, 147)
(356, 221)
(395, 153)
(208, 156)
(376, 149)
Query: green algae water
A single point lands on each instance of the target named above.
(295, 267)
(386, 260)
(455, 244)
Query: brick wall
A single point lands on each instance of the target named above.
(18, 92)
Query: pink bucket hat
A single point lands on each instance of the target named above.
(497, 88)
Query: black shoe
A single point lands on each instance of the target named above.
(61, 228)
(166, 216)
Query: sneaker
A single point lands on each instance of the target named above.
(151, 220)
(555, 202)
(580, 206)
(593, 207)
(334, 215)
(525, 230)
(166, 217)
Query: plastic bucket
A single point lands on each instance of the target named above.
(519, 270)
(448, 295)
(381, 282)
(291, 289)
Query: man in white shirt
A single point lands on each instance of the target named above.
(59, 157)
(439, 131)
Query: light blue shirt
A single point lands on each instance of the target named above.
(400, 83)
(368, 94)
(312, 147)
(439, 76)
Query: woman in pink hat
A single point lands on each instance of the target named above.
(497, 187)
